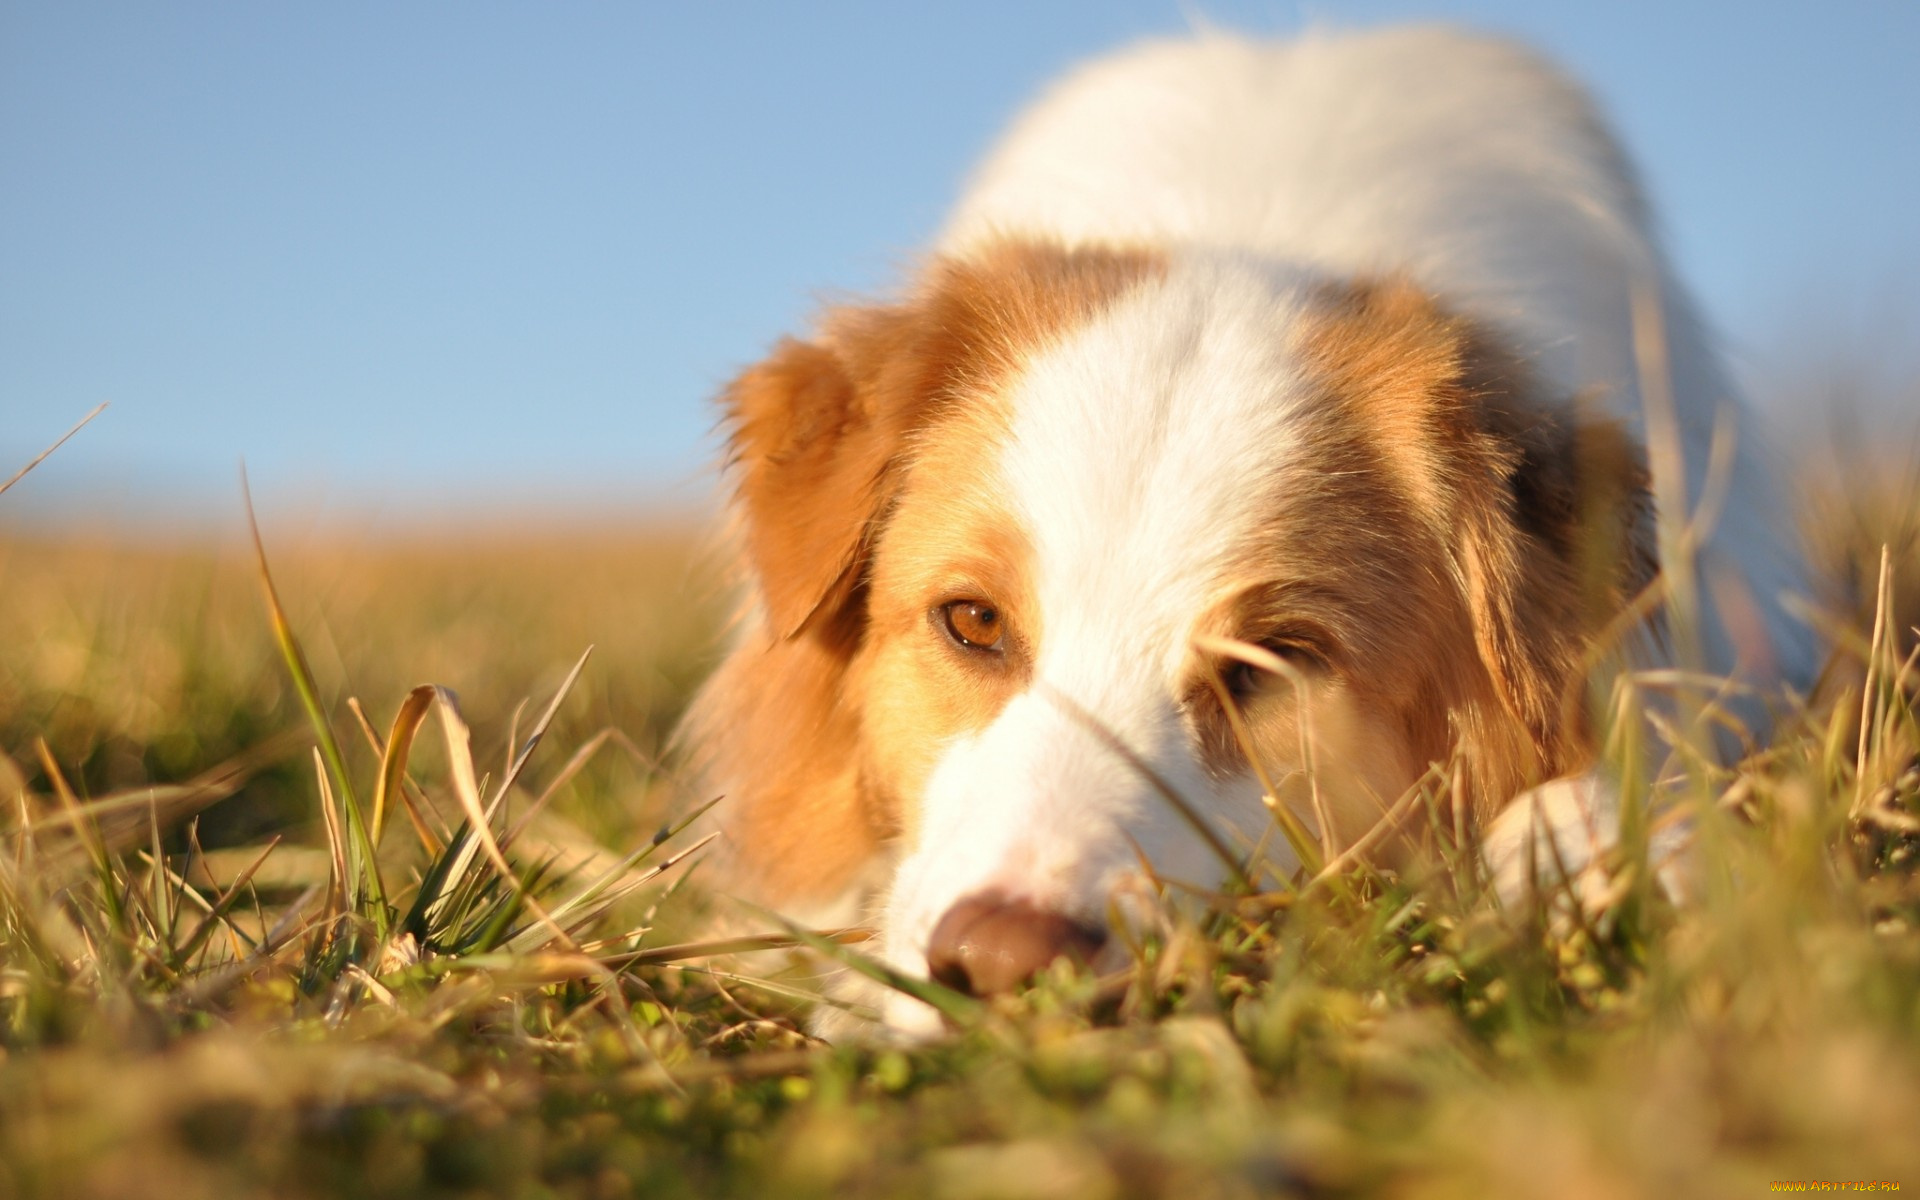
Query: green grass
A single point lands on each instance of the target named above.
(388, 1005)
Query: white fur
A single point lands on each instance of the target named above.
(1142, 444)
(1139, 451)
(1462, 161)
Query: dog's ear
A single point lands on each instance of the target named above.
(1556, 540)
(818, 436)
(815, 445)
(821, 431)
(1542, 510)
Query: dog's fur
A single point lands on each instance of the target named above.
(1325, 346)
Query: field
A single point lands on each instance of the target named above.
(384, 1004)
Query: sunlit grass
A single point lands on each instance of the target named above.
(210, 985)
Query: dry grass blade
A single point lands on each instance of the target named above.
(573, 767)
(532, 968)
(688, 951)
(541, 726)
(609, 888)
(1870, 687)
(1206, 833)
(338, 901)
(777, 987)
(166, 910)
(38, 926)
(616, 881)
(1388, 822)
(1666, 459)
(17, 476)
(466, 787)
(121, 819)
(89, 835)
(279, 936)
(948, 1003)
(224, 902)
(74, 814)
(410, 797)
(393, 759)
(1311, 856)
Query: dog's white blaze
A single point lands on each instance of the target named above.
(1141, 451)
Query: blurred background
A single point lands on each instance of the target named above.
(470, 262)
(457, 282)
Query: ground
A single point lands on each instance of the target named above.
(376, 1008)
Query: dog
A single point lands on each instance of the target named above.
(1272, 423)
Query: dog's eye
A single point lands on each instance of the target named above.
(1243, 679)
(974, 624)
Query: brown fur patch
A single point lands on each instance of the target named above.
(921, 689)
(1345, 569)
(1528, 525)
(827, 439)
(1449, 545)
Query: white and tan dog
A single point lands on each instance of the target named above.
(1325, 347)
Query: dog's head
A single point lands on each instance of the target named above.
(1009, 540)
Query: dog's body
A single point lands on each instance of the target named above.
(1324, 347)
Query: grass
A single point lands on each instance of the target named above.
(231, 965)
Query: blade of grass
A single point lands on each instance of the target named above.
(120, 819)
(777, 987)
(42, 456)
(224, 903)
(1870, 685)
(164, 910)
(948, 1003)
(439, 895)
(363, 868)
(574, 765)
(410, 797)
(393, 761)
(1255, 656)
(687, 951)
(83, 827)
(597, 896)
(540, 727)
(1167, 792)
(339, 896)
(460, 760)
(1388, 822)
(284, 933)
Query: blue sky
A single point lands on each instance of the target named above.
(479, 258)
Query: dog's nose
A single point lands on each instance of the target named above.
(987, 944)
